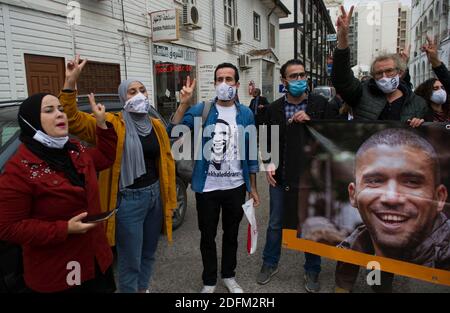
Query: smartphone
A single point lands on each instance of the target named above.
(97, 218)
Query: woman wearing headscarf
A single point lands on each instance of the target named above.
(141, 182)
(48, 187)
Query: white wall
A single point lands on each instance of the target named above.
(97, 38)
(40, 27)
(34, 32)
(230, 53)
(209, 61)
(333, 6)
(287, 45)
(389, 26)
(5, 88)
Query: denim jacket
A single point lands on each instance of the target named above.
(244, 118)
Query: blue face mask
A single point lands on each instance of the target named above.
(297, 87)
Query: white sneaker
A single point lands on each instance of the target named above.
(232, 285)
(208, 289)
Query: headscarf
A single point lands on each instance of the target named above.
(133, 163)
(57, 159)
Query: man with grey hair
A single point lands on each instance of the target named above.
(383, 97)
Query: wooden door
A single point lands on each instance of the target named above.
(44, 74)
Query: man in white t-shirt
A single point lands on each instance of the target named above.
(222, 177)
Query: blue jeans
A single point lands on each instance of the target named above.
(138, 225)
(272, 249)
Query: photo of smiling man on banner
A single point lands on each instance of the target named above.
(400, 197)
(378, 189)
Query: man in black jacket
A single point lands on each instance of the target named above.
(297, 106)
(383, 97)
(258, 106)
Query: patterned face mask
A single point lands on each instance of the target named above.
(225, 92)
(138, 104)
(388, 85)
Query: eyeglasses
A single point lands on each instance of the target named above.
(297, 75)
(390, 72)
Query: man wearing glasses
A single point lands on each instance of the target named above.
(383, 97)
(297, 106)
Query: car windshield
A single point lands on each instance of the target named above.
(8, 131)
(9, 127)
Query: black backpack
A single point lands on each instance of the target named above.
(11, 269)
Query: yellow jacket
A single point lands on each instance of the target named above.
(83, 126)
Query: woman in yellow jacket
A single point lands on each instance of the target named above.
(141, 183)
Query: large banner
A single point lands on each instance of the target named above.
(370, 193)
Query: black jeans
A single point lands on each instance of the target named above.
(208, 212)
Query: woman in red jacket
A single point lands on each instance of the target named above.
(46, 190)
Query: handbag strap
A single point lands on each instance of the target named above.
(206, 108)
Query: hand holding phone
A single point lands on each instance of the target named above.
(97, 218)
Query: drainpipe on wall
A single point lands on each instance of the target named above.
(213, 25)
(268, 21)
(123, 41)
(295, 29)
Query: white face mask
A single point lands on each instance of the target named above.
(388, 85)
(439, 96)
(46, 140)
(138, 104)
(225, 92)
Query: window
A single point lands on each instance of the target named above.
(9, 130)
(170, 78)
(256, 26)
(268, 69)
(229, 7)
(272, 35)
(99, 77)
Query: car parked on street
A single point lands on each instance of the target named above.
(325, 91)
(9, 140)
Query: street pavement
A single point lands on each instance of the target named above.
(178, 267)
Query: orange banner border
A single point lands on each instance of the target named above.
(437, 276)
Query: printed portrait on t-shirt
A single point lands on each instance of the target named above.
(221, 144)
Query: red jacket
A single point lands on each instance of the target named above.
(36, 204)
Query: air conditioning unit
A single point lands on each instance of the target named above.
(244, 61)
(236, 35)
(191, 16)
